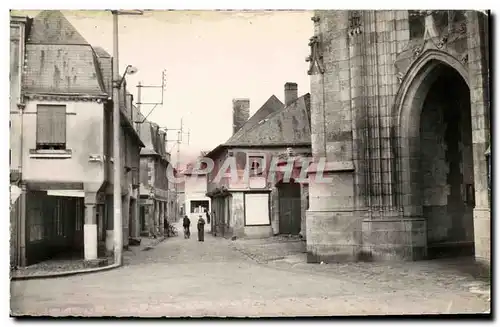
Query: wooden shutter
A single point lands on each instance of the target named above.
(51, 124)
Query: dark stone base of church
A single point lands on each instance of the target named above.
(436, 251)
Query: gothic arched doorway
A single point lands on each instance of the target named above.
(436, 175)
(289, 207)
(446, 165)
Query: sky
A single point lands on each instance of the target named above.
(210, 57)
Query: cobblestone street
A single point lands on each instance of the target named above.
(182, 277)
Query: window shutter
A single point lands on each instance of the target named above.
(51, 124)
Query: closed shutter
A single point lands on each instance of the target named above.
(51, 125)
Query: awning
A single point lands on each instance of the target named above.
(68, 193)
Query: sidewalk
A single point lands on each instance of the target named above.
(67, 267)
(60, 268)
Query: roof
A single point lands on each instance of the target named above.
(154, 140)
(60, 60)
(284, 127)
(106, 64)
(290, 125)
(273, 104)
(51, 27)
(101, 53)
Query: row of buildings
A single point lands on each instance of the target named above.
(400, 109)
(61, 153)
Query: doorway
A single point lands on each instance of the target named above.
(289, 207)
(446, 165)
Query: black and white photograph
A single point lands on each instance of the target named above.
(258, 163)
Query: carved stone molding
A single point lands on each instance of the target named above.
(315, 58)
(400, 77)
(416, 52)
(439, 30)
(354, 22)
(442, 41)
(465, 59)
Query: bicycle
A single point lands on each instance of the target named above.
(171, 231)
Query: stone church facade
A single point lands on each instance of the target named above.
(400, 107)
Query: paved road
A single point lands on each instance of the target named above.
(189, 278)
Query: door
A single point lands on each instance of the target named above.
(143, 218)
(289, 208)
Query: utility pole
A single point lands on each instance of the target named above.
(117, 191)
(178, 141)
(117, 168)
(138, 103)
(162, 86)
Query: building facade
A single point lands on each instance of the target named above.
(60, 150)
(157, 196)
(260, 202)
(196, 201)
(400, 108)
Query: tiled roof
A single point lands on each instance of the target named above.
(290, 125)
(66, 69)
(101, 53)
(51, 27)
(59, 59)
(273, 104)
(106, 65)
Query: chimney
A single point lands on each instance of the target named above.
(241, 113)
(291, 92)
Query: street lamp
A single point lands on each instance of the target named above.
(117, 81)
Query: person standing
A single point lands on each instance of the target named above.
(186, 223)
(201, 229)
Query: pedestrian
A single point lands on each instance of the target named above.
(201, 229)
(208, 216)
(186, 223)
(165, 226)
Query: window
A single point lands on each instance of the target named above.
(256, 164)
(51, 127)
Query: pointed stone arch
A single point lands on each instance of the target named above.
(407, 109)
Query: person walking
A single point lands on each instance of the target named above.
(201, 229)
(186, 223)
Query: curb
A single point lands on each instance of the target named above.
(66, 273)
(77, 272)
